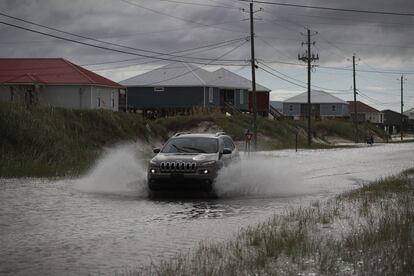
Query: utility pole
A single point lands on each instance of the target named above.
(355, 103)
(402, 106)
(253, 64)
(309, 57)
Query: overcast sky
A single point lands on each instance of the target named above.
(380, 42)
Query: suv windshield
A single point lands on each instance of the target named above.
(191, 145)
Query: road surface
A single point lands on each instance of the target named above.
(104, 223)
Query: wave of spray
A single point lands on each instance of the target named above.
(121, 170)
(259, 176)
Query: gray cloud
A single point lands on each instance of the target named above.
(385, 40)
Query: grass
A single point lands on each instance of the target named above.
(47, 141)
(367, 231)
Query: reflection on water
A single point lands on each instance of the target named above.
(204, 210)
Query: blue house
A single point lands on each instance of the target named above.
(182, 86)
(323, 105)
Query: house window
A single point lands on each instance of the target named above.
(210, 95)
(290, 107)
(11, 94)
(98, 101)
(334, 108)
(241, 97)
(158, 89)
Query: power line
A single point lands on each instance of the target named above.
(96, 40)
(330, 8)
(342, 18)
(176, 17)
(199, 4)
(97, 46)
(337, 91)
(279, 77)
(207, 47)
(198, 68)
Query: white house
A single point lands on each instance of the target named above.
(56, 82)
(323, 105)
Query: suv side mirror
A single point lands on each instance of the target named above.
(156, 150)
(227, 151)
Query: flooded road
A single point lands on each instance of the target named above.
(104, 222)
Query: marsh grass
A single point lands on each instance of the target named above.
(48, 141)
(45, 141)
(325, 238)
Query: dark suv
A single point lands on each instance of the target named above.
(190, 161)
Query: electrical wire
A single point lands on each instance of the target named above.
(337, 91)
(199, 4)
(177, 17)
(101, 47)
(329, 8)
(198, 68)
(93, 39)
(281, 78)
(198, 49)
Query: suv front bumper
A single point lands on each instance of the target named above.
(201, 179)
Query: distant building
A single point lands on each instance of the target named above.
(365, 113)
(323, 105)
(276, 109)
(223, 77)
(392, 121)
(182, 86)
(410, 114)
(55, 82)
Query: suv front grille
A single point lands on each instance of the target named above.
(183, 167)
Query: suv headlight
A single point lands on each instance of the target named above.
(208, 163)
(153, 162)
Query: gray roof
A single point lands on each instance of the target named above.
(174, 74)
(278, 105)
(183, 74)
(225, 78)
(317, 96)
(409, 111)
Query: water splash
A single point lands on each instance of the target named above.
(258, 176)
(121, 170)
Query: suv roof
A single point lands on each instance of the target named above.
(189, 134)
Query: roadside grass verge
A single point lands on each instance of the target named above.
(346, 129)
(367, 231)
(46, 141)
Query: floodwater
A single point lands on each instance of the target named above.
(104, 222)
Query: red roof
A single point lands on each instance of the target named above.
(361, 107)
(48, 71)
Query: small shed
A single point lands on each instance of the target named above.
(56, 82)
(323, 105)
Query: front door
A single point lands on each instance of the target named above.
(227, 96)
